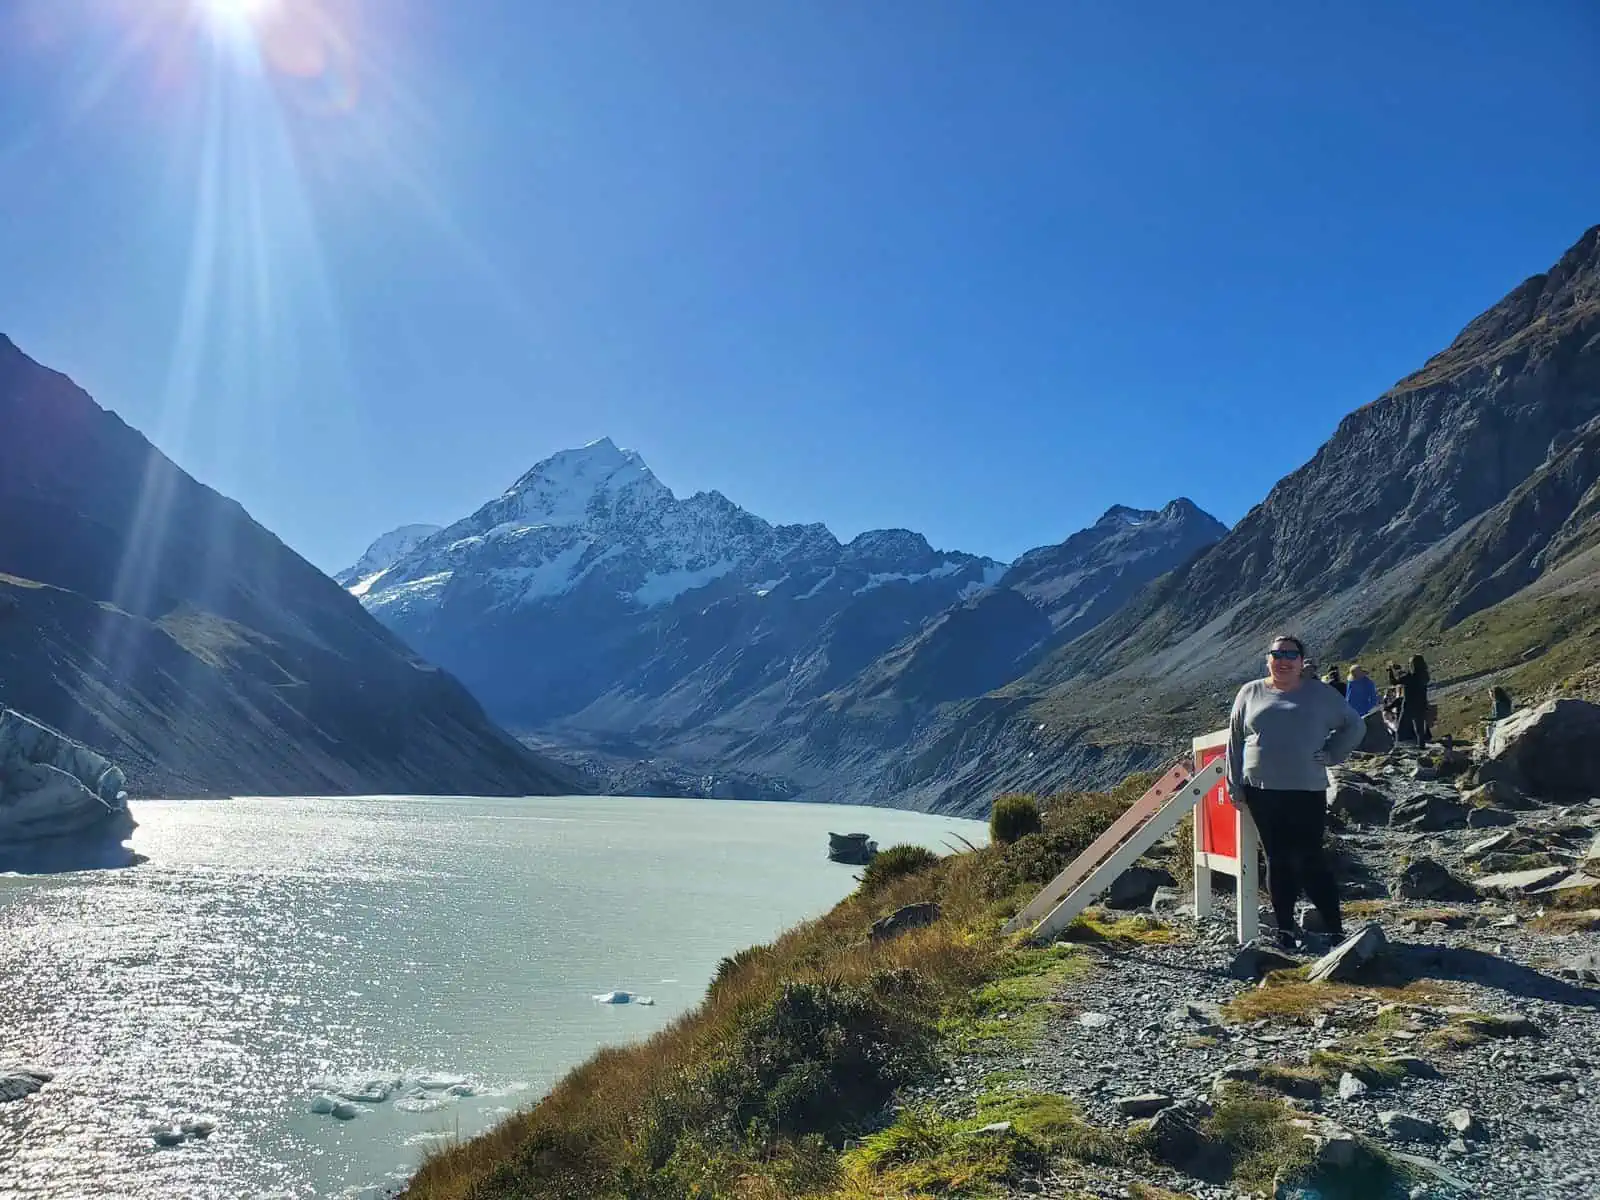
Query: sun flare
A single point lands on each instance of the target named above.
(235, 12)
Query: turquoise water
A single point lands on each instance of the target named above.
(445, 951)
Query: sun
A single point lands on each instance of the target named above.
(235, 12)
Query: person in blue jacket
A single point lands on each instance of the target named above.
(1362, 693)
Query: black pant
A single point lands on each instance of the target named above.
(1413, 725)
(1291, 826)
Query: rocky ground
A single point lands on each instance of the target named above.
(1467, 1049)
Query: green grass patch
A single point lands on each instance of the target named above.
(923, 1153)
(1010, 1009)
(1372, 1070)
(1138, 928)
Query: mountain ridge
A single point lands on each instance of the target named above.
(151, 618)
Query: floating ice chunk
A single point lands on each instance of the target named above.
(614, 998)
(367, 1089)
(345, 1111)
(439, 1083)
(421, 1102)
(169, 1135)
(323, 1103)
(644, 1000)
(198, 1127)
(17, 1080)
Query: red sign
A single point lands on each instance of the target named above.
(1219, 823)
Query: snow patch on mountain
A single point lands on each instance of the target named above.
(384, 552)
(667, 586)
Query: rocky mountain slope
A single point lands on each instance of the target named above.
(588, 605)
(150, 618)
(1457, 501)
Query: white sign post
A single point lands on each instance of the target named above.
(1225, 841)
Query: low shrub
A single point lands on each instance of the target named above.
(1013, 817)
(896, 862)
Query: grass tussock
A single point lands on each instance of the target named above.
(1096, 926)
(1287, 997)
(924, 1154)
(1263, 1145)
(1468, 1029)
(1013, 816)
(1333, 1064)
(897, 862)
(1586, 920)
(800, 1045)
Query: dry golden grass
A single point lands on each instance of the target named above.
(1288, 998)
(1558, 920)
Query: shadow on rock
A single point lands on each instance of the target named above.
(1407, 962)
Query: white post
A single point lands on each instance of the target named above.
(1202, 869)
(1249, 891)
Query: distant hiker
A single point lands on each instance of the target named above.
(1501, 699)
(1361, 693)
(1333, 680)
(1283, 734)
(1413, 685)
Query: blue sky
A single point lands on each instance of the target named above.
(979, 270)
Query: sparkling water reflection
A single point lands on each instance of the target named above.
(273, 947)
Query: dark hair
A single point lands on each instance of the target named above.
(1289, 637)
(1419, 668)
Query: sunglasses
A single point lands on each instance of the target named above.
(1282, 654)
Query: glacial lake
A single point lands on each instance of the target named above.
(273, 949)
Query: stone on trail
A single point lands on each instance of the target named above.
(1347, 960)
(1466, 1124)
(1489, 818)
(1554, 748)
(1093, 1020)
(1425, 879)
(1136, 887)
(1428, 813)
(1493, 843)
(1407, 1127)
(1146, 1105)
(1254, 961)
(1553, 1075)
(903, 920)
(1580, 882)
(1350, 1087)
(1495, 793)
(1421, 1068)
(1519, 883)
(1172, 1137)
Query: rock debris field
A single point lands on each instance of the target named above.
(1457, 1036)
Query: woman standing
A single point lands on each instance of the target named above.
(1414, 706)
(1284, 732)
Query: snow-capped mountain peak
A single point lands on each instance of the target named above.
(561, 489)
(395, 544)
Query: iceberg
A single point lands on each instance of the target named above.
(52, 787)
(614, 998)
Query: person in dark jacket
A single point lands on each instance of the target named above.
(1413, 685)
(1334, 680)
(1283, 734)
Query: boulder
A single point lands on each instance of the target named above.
(1494, 792)
(1425, 879)
(1520, 883)
(1255, 961)
(1377, 739)
(1489, 818)
(1136, 887)
(1465, 1124)
(1496, 843)
(1350, 1087)
(1554, 748)
(1405, 1127)
(1591, 856)
(1173, 1137)
(903, 920)
(1350, 957)
(1577, 882)
(1147, 1105)
(1429, 812)
(1356, 799)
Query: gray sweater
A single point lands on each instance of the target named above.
(1283, 740)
